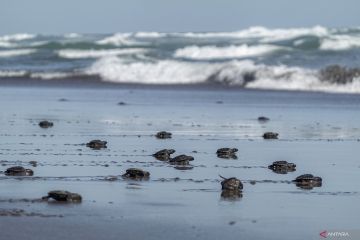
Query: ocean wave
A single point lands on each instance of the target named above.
(6, 44)
(120, 39)
(77, 53)
(266, 34)
(17, 37)
(16, 52)
(340, 42)
(213, 52)
(243, 73)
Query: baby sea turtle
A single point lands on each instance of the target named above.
(163, 135)
(45, 124)
(163, 155)
(308, 181)
(63, 196)
(227, 153)
(231, 184)
(282, 167)
(181, 160)
(18, 171)
(97, 144)
(270, 135)
(263, 119)
(136, 173)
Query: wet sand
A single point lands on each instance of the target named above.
(319, 132)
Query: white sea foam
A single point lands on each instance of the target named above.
(231, 73)
(50, 75)
(73, 54)
(17, 37)
(213, 52)
(340, 42)
(16, 52)
(72, 35)
(119, 39)
(149, 35)
(7, 73)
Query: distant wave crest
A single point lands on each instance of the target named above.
(77, 53)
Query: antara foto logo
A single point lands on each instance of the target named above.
(324, 234)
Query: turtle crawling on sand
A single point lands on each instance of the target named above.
(270, 135)
(181, 160)
(227, 153)
(163, 155)
(97, 144)
(45, 124)
(18, 171)
(63, 196)
(163, 135)
(136, 173)
(282, 167)
(231, 184)
(263, 119)
(308, 181)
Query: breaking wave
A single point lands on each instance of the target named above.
(243, 73)
(213, 52)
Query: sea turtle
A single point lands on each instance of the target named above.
(263, 119)
(163, 155)
(163, 135)
(97, 144)
(282, 167)
(63, 196)
(45, 124)
(227, 153)
(231, 184)
(19, 171)
(181, 160)
(136, 173)
(270, 135)
(308, 181)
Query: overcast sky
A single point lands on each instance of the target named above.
(108, 16)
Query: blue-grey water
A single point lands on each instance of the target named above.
(257, 57)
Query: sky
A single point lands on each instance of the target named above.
(108, 16)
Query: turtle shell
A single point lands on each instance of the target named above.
(227, 150)
(231, 184)
(45, 124)
(270, 135)
(164, 154)
(18, 171)
(64, 196)
(136, 173)
(96, 144)
(181, 159)
(163, 135)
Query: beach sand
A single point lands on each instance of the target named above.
(318, 132)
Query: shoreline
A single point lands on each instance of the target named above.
(96, 83)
